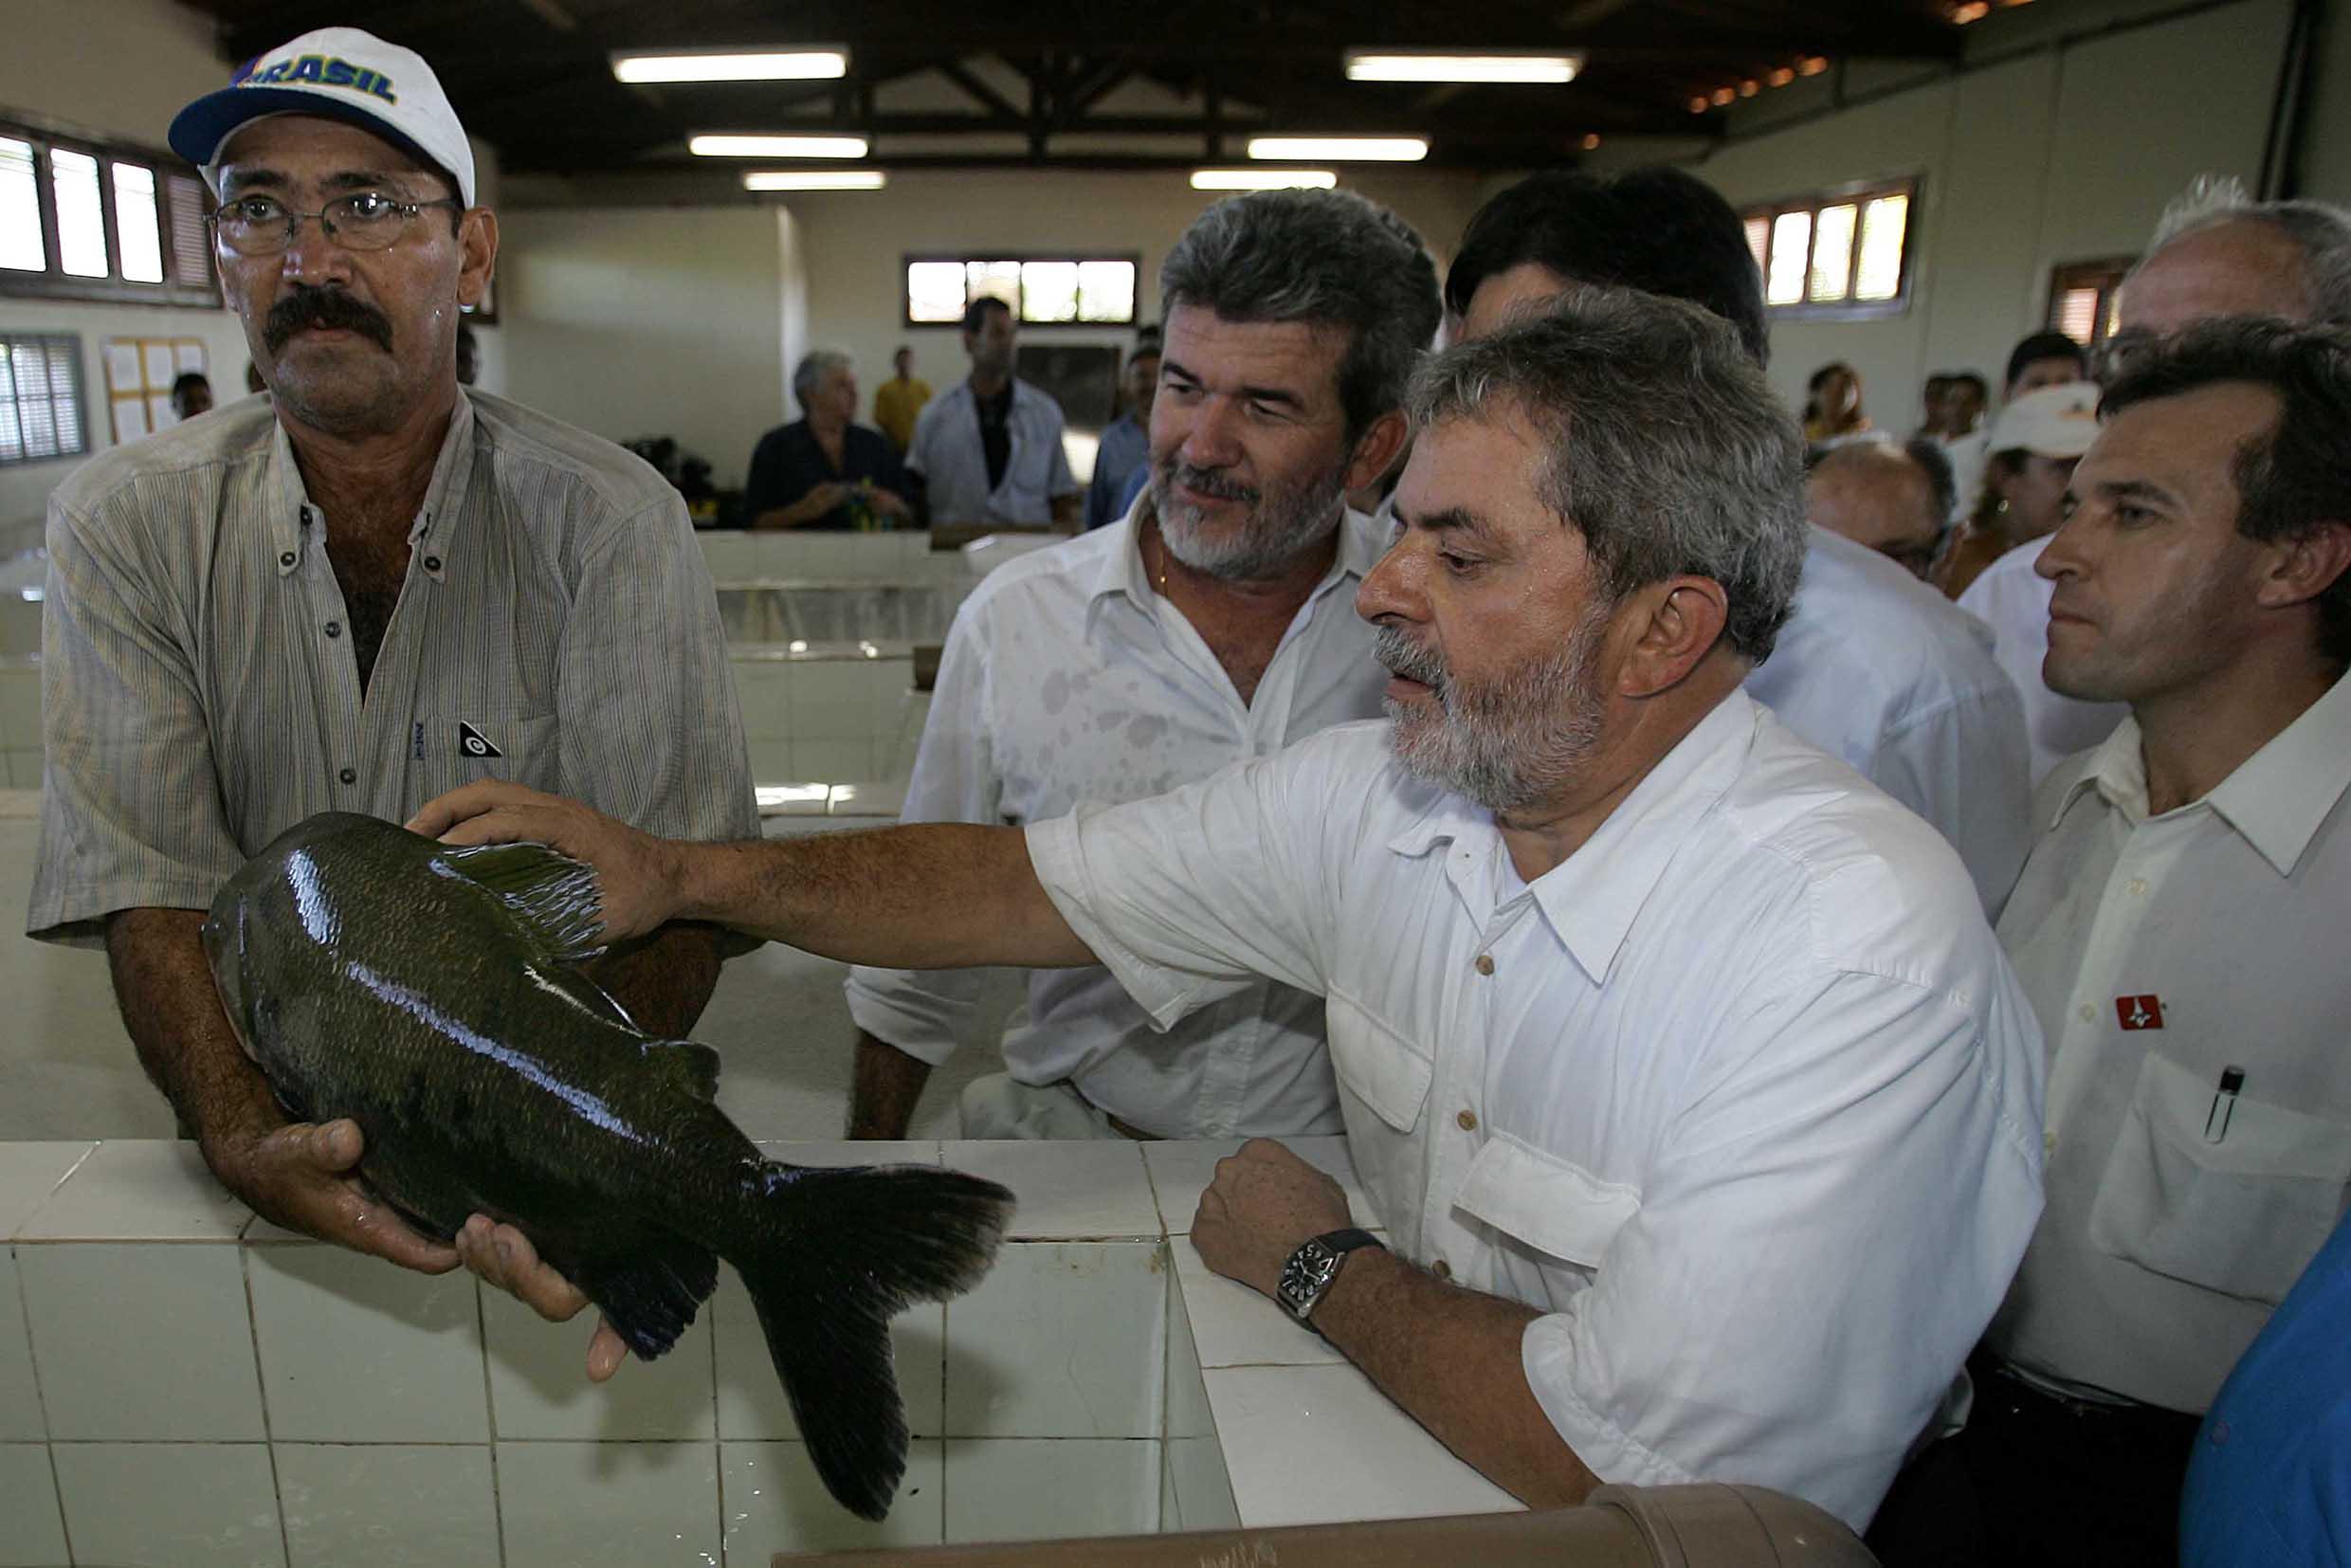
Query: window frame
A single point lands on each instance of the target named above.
(53, 282)
(1858, 193)
(1023, 257)
(72, 344)
(2102, 273)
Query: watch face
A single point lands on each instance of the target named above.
(1304, 1276)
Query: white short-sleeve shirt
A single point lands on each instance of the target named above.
(1743, 1095)
(1879, 671)
(2159, 953)
(1066, 679)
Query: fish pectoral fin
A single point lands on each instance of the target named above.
(651, 1294)
(552, 895)
(691, 1066)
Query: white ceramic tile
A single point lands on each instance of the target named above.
(1266, 1417)
(751, 1395)
(831, 699)
(20, 707)
(1060, 1340)
(608, 1505)
(24, 767)
(540, 1387)
(882, 798)
(842, 1150)
(170, 1505)
(354, 1350)
(775, 1503)
(138, 1190)
(1233, 1326)
(1013, 1489)
(831, 760)
(32, 1534)
(789, 800)
(386, 1506)
(1203, 1492)
(1184, 1411)
(762, 686)
(729, 554)
(30, 1174)
(20, 1396)
(1066, 1191)
(142, 1342)
(771, 764)
(1180, 1172)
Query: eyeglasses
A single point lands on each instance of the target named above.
(365, 220)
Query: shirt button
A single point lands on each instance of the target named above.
(348, 776)
(432, 563)
(1486, 963)
(335, 629)
(2090, 1014)
(2138, 887)
(1441, 1270)
(1468, 1121)
(286, 558)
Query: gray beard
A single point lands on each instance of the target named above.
(1508, 745)
(1284, 521)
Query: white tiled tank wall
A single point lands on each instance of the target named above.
(182, 1385)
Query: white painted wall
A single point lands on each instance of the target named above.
(2063, 154)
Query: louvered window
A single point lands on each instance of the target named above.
(86, 220)
(40, 399)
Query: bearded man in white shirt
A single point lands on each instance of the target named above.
(1678, 1062)
(1215, 621)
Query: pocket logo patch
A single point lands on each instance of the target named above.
(2139, 1011)
(472, 743)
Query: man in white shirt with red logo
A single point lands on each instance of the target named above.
(1679, 1061)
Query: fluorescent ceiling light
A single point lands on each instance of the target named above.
(814, 179)
(1433, 66)
(776, 147)
(1340, 149)
(728, 66)
(1262, 179)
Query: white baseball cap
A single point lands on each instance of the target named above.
(341, 73)
(2059, 421)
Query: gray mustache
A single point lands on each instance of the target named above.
(1209, 481)
(1404, 657)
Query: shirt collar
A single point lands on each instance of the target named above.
(1592, 899)
(2276, 799)
(294, 516)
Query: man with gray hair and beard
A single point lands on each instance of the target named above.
(1697, 1100)
(1211, 623)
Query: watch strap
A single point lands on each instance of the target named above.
(1310, 1269)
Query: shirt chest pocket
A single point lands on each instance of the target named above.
(1374, 1063)
(1549, 1204)
(2242, 1216)
(446, 752)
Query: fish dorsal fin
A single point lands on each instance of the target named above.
(552, 895)
(687, 1063)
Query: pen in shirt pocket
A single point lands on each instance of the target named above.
(2224, 1105)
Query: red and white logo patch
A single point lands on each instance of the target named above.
(2139, 1011)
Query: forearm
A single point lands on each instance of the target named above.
(932, 896)
(883, 1088)
(1450, 1357)
(173, 1012)
(664, 980)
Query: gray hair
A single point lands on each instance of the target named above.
(810, 374)
(1325, 258)
(1662, 443)
(2319, 230)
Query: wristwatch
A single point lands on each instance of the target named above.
(1311, 1269)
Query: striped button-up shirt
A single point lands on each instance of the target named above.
(199, 695)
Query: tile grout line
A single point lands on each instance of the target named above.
(489, 1418)
(260, 1393)
(41, 1402)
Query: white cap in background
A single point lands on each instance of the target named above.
(2058, 421)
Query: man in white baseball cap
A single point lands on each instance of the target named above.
(352, 595)
(2036, 442)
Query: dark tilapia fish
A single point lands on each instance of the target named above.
(429, 993)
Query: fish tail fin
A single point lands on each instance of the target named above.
(840, 1253)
